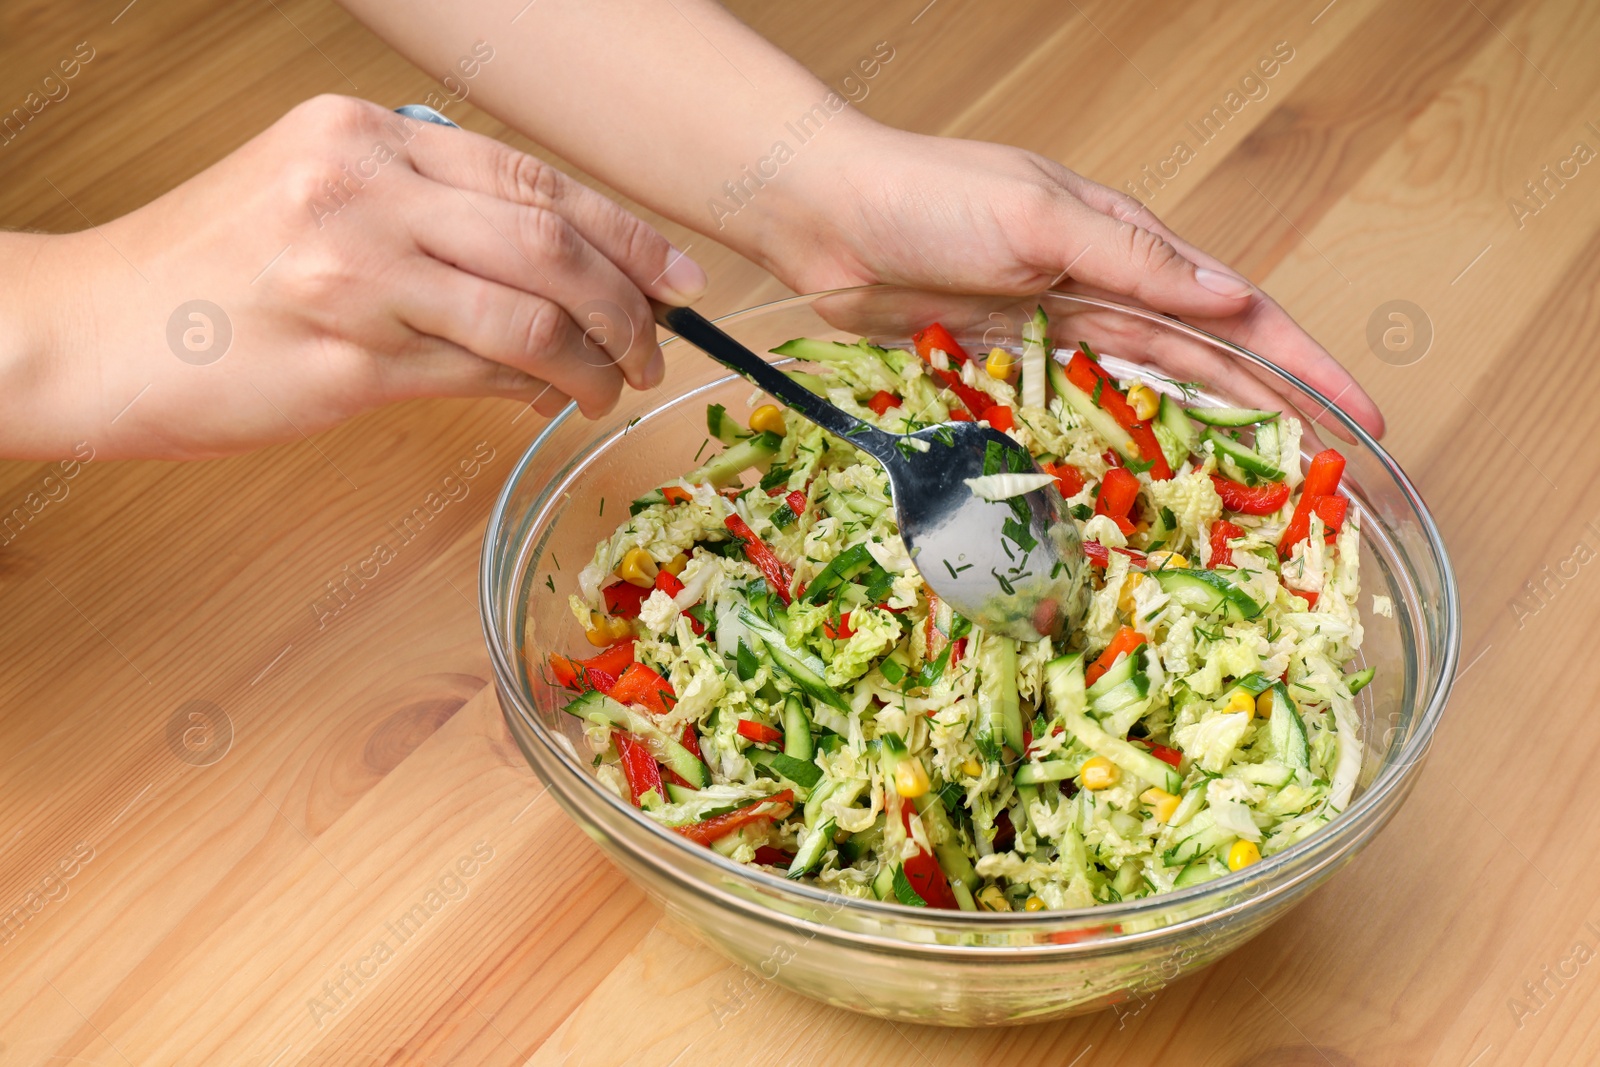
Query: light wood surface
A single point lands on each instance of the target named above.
(227, 913)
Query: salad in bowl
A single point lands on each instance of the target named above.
(769, 676)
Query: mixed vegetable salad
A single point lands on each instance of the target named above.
(779, 684)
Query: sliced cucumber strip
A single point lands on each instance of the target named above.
(1207, 592)
(597, 707)
(1064, 686)
(1359, 680)
(797, 730)
(1058, 770)
(1246, 457)
(1197, 872)
(1098, 419)
(847, 565)
(1287, 731)
(803, 668)
(1179, 438)
(726, 466)
(722, 426)
(1231, 416)
(1033, 360)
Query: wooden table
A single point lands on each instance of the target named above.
(222, 908)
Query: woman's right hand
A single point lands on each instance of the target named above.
(344, 259)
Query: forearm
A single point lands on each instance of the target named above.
(674, 103)
(41, 409)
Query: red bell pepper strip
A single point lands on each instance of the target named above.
(882, 401)
(842, 632)
(797, 503)
(957, 415)
(773, 857)
(777, 806)
(639, 766)
(598, 672)
(1263, 499)
(1001, 418)
(976, 400)
(759, 732)
(1223, 531)
(691, 741)
(777, 573)
(1322, 479)
(641, 685)
(936, 336)
(673, 494)
(924, 873)
(1089, 376)
(623, 599)
(1118, 490)
(1170, 756)
(1069, 479)
(565, 670)
(1100, 555)
(958, 648)
(1309, 597)
(1331, 509)
(668, 583)
(1127, 641)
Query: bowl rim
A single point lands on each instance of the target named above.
(1287, 863)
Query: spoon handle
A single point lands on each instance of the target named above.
(706, 336)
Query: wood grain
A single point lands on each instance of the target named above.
(229, 913)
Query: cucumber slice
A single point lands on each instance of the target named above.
(858, 846)
(1064, 687)
(596, 706)
(1286, 731)
(1207, 592)
(1246, 457)
(722, 426)
(814, 382)
(1098, 419)
(947, 847)
(800, 772)
(1359, 680)
(797, 730)
(726, 466)
(1034, 358)
(1122, 671)
(1179, 440)
(847, 565)
(1058, 770)
(679, 794)
(1231, 416)
(998, 701)
(883, 884)
(1197, 872)
(803, 668)
(1274, 775)
(1200, 843)
(811, 350)
(814, 844)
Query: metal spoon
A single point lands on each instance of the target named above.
(1026, 580)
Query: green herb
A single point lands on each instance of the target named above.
(1082, 512)
(1006, 586)
(1168, 519)
(1099, 387)
(1083, 346)
(745, 663)
(775, 477)
(784, 517)
(702, 448)
(1019, 534)
(945, 436)
(893, 671)
(602, 505)
(551, 582)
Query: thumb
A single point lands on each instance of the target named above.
(1119, 256)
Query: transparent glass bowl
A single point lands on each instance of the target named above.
(940, 967)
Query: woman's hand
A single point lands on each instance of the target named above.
(346, 258)
(891, 206)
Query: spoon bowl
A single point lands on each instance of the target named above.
(1014, 566)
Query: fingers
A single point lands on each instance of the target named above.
(538, 251)
(1262, 325)
(469, 161)
(512, 328)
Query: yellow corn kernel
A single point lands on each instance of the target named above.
(1240, 701)
(1264, 704)
(991, 899)
(768, 419)
(1125, 602)
(1098, 773)
(972, 768)
(637, 568)
(1034, 904)
(1162, 803)
(604, 630)
(1144, 400)
(1161, 559)
(675, 565)
(911, 778)
(999, 364)
(1243, 854)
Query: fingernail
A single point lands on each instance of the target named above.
(655, 371)
(684, 277)
(1221, 283)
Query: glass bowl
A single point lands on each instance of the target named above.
(954, 968)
